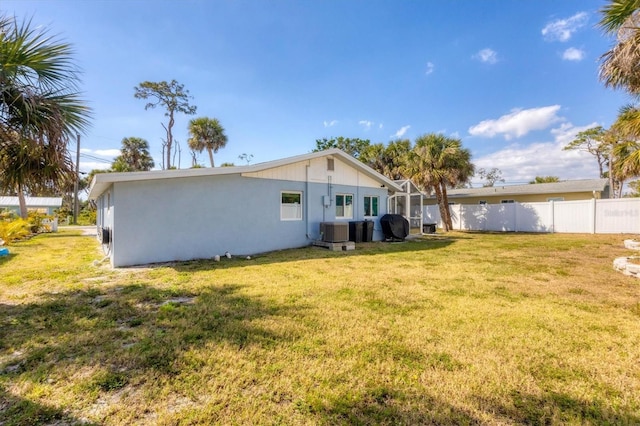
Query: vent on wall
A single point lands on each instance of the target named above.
(330, 164)
(334, 232)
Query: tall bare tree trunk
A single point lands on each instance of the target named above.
(169, 130)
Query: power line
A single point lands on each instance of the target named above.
(92, 157)
(101, 160)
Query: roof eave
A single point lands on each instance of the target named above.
(102, 181)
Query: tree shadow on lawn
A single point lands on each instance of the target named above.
(382, 405)
(557, 408)
(123, 335)
(20, 411)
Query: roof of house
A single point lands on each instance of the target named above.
(32, 201)
(102, 181)
(413, 188)
(584, 185)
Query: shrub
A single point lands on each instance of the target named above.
(11, 230)
(35, 220)
(87, 217)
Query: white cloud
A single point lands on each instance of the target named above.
(330, 123)
(563, 29)
(488, 56)
(518, 123)
(366, 124)
(573, 54)
(87, 166)
(107, 152)
(522, 163)
(430, 68)
(380, 126)
(567, 132)
(401, 132)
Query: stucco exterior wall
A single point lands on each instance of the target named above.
(199, 217)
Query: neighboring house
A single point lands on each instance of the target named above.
(569, 190)
(45, 205)
(168, 215)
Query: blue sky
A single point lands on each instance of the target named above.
(514, 80)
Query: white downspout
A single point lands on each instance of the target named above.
(306, 200)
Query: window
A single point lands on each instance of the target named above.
(344, 206)
(370, 205)
(291, 205)
(555, 199)
(507, 201)
(482, 202)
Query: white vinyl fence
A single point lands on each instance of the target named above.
(616, 216)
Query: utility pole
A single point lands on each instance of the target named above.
(76, 183)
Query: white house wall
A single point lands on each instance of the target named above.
(200, 217)
(343, 173)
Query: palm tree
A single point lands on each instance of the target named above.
(620, 66)
(40, 109)
(544, 179)
(134, 156)
(206, 133)
(389, 160)
(625, 151)
(437, 162)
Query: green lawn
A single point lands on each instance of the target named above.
(465, 328)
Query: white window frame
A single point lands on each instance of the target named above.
(344, 206)
(364, 204)
(284, 206)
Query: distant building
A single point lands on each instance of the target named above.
(569, 190)
(45, 205)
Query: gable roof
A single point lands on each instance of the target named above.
(102, 181)
(584, 185)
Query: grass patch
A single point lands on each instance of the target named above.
(472, 329)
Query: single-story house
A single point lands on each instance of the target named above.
(44, 205)
(168, 215)
(569, 190)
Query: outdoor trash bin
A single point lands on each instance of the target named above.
(428, 228)
(355, 231)
(367, 232)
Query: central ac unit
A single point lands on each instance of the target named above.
(334, 232)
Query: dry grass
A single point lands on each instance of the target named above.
(463, 329)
